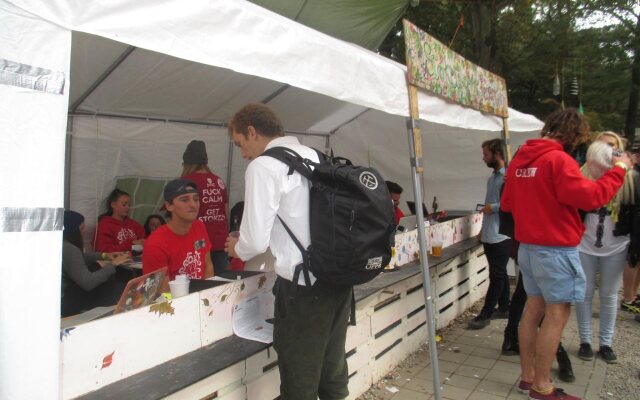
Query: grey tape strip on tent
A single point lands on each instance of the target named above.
(30, 77)
(13, 219)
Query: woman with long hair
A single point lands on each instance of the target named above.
(214, 204)
(83, 273)
(116, 231)
(603, 249)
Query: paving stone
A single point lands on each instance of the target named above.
(462, 381)
(456, 393)
(471, 371)
(482, 362)
(406, 394)
(499, 389)
(487, 352)
(508, 377)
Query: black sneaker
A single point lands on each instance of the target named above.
(585, 352)
(607, 354)
(510, 347)
(497, 314)
(479, 322)
(565, 371)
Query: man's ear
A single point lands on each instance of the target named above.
(252, 133)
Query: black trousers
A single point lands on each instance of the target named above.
(309, 336)
(518, 300)
(498, 293)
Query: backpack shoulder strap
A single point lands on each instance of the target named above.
(291, 158)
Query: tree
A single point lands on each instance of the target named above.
(627, 14)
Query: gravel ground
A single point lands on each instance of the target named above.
(622, 380)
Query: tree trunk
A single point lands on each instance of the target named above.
(484, 33)
(632, 111)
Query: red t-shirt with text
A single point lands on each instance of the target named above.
(213, 199)
(182, 254)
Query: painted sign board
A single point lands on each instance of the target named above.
(433, 66)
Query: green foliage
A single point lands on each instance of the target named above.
(591, 41)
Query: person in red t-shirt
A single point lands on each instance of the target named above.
(214, 204)
(182, 244)
(116, 232)
(395, 191)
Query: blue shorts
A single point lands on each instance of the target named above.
(553, 273)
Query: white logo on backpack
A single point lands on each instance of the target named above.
(368, 180)
(374, 263)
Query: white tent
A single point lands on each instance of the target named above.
(146, 77)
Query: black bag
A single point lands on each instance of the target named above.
(352, 219)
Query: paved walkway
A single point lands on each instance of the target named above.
(472, 367)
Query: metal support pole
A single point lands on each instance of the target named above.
(506, 139)
(415, 152)
(229, 165)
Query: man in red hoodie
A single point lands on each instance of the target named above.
(544, 189)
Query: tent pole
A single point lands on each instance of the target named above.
(102, 78)
(415, 152)
(506, 139)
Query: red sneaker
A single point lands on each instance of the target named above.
(557, 394)
(524, 386)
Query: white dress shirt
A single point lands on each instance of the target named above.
(269, 193)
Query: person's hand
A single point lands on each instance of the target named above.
(487, 209)
(138, 241)
(111, 256)
(230, 246)
(120, 259)
(624, 158)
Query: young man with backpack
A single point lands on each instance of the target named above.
(310, 320)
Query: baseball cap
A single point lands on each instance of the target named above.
(178, 187)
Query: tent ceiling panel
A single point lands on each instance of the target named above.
(300, 109)
(150, 83)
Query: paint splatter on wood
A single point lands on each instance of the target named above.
(107, 360)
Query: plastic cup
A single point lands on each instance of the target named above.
(137, 247)
(234, 234)
(179, 289)
(182, 278)
(436, 249)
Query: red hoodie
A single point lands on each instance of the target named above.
(544, 189)
(113, 235)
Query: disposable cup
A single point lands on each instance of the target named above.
(182, 278)
(136, 247)
(179, 289)
(234, 234)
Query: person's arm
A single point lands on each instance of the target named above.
(105, 239)
(76, 269)
(262, 199)
(208, 267)
(575, 190)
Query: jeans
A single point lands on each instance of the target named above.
(498, 292)
(610, 268)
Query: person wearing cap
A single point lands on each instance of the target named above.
(81, 284)
(214, 204)
(182, 244)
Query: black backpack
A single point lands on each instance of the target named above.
(352, 219)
